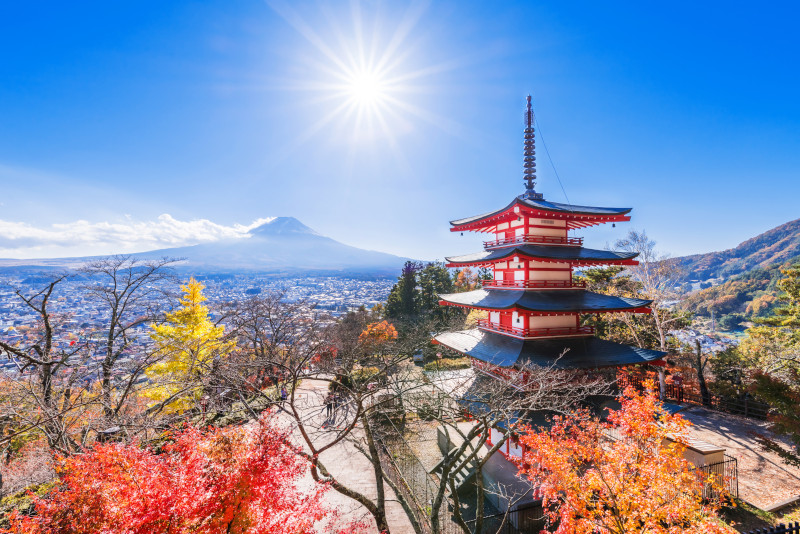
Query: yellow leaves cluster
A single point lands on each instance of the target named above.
(187, 344)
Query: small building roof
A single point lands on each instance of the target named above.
(546, 252)
(557, 301)
(565, 353)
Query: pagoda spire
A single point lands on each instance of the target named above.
(530, 156)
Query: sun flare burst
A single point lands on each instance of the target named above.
(370, 73)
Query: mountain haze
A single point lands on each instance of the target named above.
(282, 245)
(773, 247)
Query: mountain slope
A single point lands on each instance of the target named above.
(776, 246)
(282, 245)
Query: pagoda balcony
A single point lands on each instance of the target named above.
(534, 239)
(533, 284)
(534, 333)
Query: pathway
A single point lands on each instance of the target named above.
(345, 463)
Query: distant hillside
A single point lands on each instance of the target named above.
(283, 246)
(777, 246)
(741, 298)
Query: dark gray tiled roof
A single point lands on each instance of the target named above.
(560, 300)
(548, 206)
(578, 352)
(544, 252)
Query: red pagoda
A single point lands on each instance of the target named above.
(534, 305)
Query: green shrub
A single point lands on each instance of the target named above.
(365, 375)
(448, 364)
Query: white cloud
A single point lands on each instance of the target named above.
(80, 238)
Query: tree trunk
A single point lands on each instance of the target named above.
(704, 393)
(380, 505)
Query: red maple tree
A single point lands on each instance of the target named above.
(626, 475)
(233, 480)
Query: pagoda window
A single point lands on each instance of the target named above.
(494, 317)
(498, 275)
(517, 320)
(502, 226)
(519, 275)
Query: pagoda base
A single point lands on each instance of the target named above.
(562, 353)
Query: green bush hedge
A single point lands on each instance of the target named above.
(448, 364)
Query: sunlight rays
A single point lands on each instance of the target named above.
(368, 69)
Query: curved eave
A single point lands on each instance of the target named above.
(571, 353)
(558, 301)
(577, 216)
(573, 255)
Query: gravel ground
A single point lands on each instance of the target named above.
(764, 480)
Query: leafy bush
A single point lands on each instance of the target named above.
(449, 364)
(365, 375)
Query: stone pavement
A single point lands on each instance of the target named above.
(345, 463)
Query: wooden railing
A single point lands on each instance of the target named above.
(534, 239)
(533, 284)
(485, 324)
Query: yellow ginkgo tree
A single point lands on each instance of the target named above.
(187, 343)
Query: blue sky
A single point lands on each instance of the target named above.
(131, 125)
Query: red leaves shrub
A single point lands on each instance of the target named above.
(237, 480)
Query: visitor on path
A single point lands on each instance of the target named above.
(284, 394)
(329, 405)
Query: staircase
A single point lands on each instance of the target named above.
(465, 474)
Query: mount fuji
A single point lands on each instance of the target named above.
(283, 245)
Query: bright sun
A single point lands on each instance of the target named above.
(367, 88)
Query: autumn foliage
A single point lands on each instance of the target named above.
(379, 332)
(637, 481)
(237, 480)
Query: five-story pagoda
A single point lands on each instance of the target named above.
(534, 305)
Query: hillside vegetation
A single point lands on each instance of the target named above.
(743, 297)
(777, 246)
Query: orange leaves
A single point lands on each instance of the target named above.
(239, 480)
(380, 332)
(626, 475)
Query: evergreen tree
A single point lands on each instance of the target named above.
(401, 303)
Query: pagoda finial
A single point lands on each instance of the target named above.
(530, 156)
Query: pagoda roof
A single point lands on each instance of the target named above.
(553, 301)
(566, 353)
(586, 256)
(545, 206)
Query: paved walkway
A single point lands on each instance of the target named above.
(345, 463)
(764, 480)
